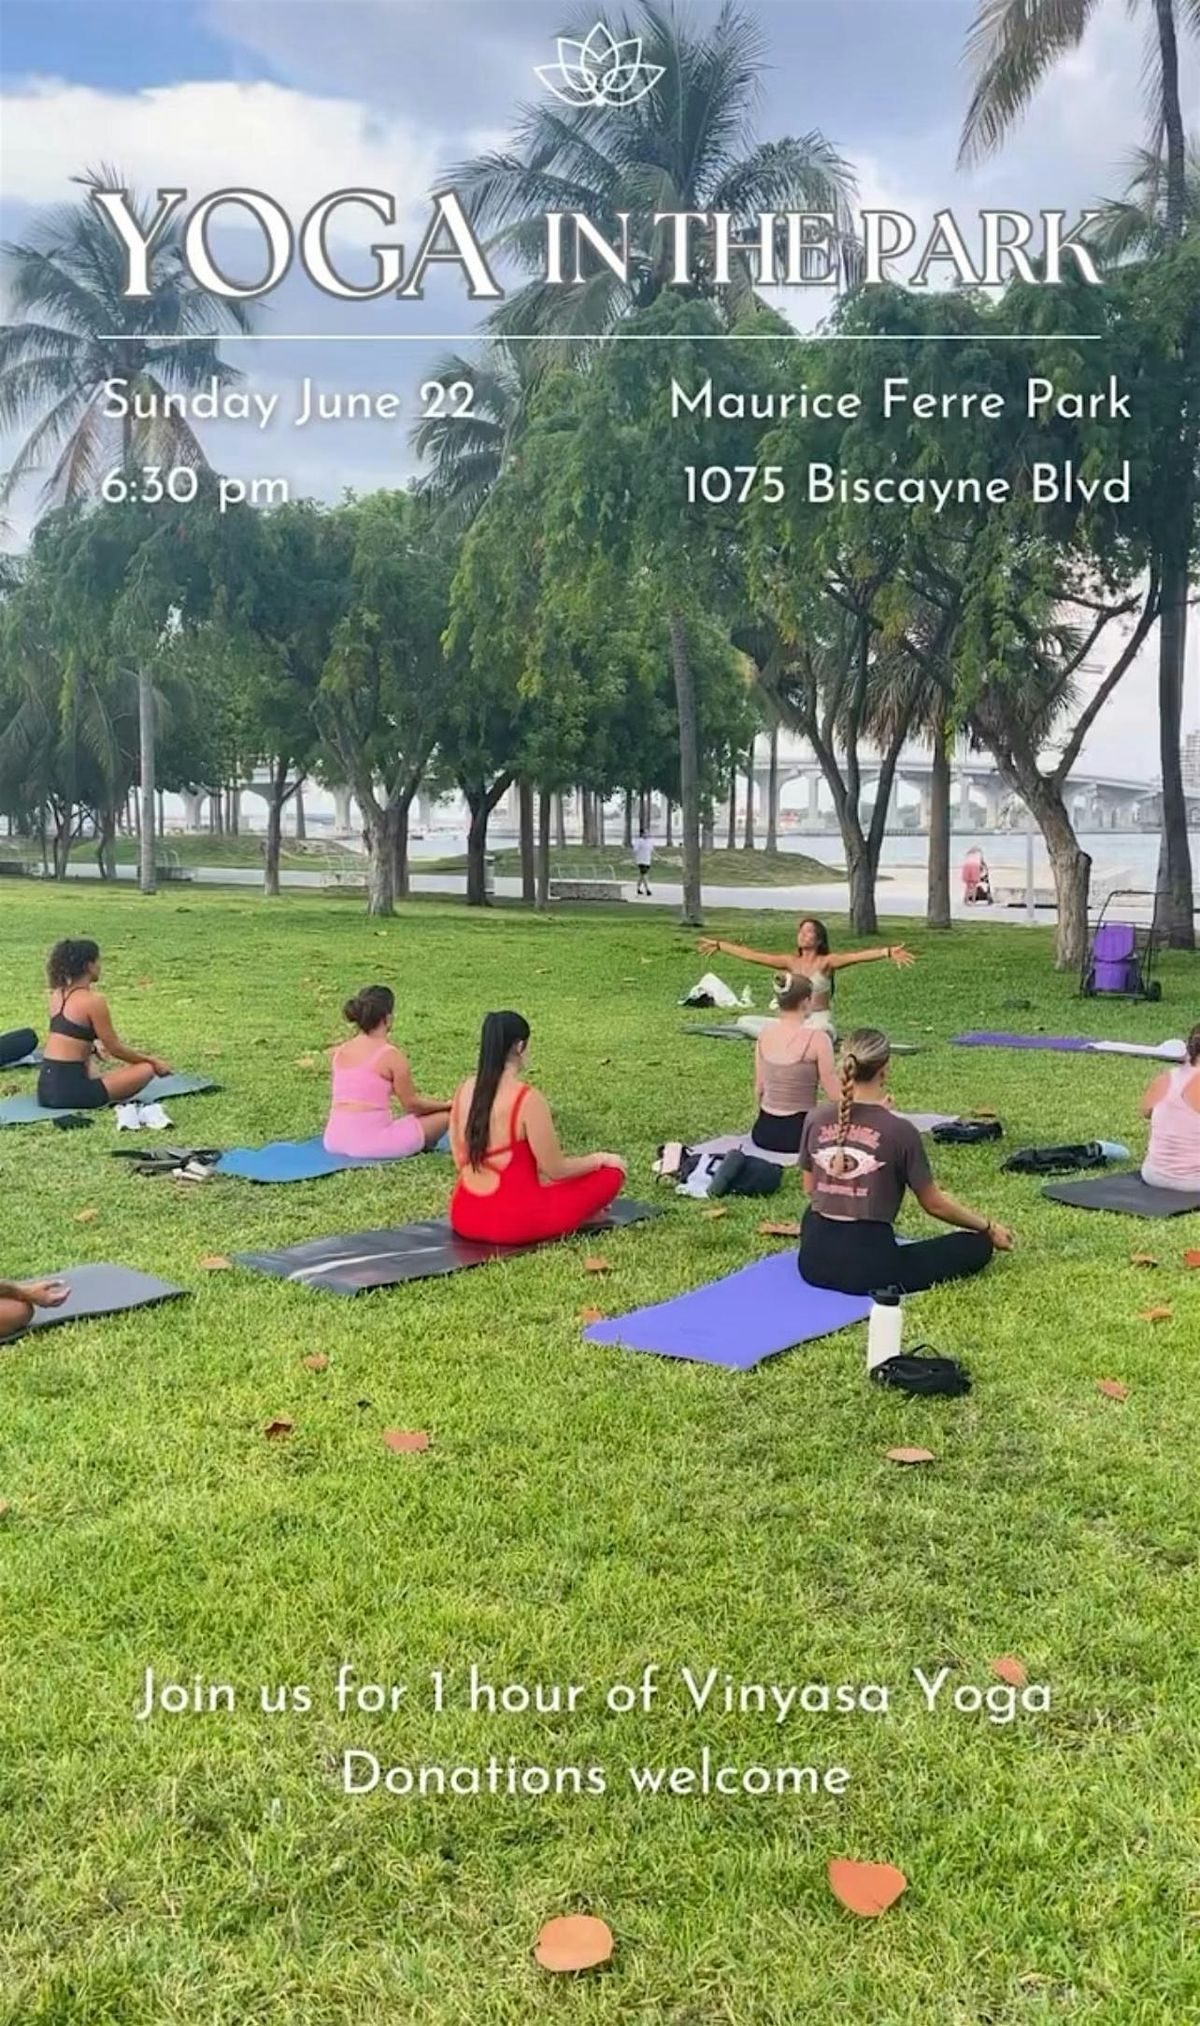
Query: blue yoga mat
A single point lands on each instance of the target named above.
(26, 1111)
(738, 1321)
(296, 1161)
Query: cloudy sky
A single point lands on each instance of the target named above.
(299, 97)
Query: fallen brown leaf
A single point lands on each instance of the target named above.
(981, 1112)
(274, 1429)
(402, 1439)
(910, 1456)
(1142, 1259)
(866, 1889)
(305, 1062)
(591, 1315)
(1161, 1314)
(5, 1508)
(86, 1216)
(1008, 1668)
(1112, 1389)
(597, 1265)
(717, 1210)
(779, 1231)
(576, 1941)
(1191, 1258)
(216, 1262)
(317, 1362)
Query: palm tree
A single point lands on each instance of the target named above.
(73, 332)
(467, 451)
(687, 145)
(1013, 46)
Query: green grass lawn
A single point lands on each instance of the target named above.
(580, 1513)
(612, 861)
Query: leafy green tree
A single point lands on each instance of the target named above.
(1013, 47)
(384, 688)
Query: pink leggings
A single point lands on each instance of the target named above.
(522, 1211)
(373, 1135)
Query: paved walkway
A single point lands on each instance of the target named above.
(901, 893)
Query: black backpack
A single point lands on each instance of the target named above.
(965, 1132)
(913, 1373)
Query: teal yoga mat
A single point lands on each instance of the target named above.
(26, 1111)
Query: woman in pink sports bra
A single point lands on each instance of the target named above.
(368, 1072)
(1172, 1105)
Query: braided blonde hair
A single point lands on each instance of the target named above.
(792, 989)
(864, 1054)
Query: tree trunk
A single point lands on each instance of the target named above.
(600, 819)
(1072, 869)
(301, 829)
(937, 895)
(670, 817)
(1172, 650)
(401, 883)
(773, 790)
(689, 771)
(1169, 105)
(731, 839)
(480, 801)
(275, 803)
(560, 823)
(542, 884)
(162, 812)
(380, 836)
(147, 875)
(528, 843)
(708, 826)
(863, 917)
(748, 834)
(628, 819)
(105, 853)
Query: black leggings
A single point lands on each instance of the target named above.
(777, 1133)
(66, 1086)
(16, 1046)
(863, 1258)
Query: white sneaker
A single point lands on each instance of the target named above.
(129, 1118)
(154, 1116)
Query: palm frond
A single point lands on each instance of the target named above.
(1010, 48)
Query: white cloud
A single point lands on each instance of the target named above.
(208, 134)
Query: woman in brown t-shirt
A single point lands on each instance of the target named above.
(858, 1159)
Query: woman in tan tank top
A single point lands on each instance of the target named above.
(792, 1063)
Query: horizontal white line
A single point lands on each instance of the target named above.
(607, 338)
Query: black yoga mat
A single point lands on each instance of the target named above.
(366, 1259)
(103, 1289)
(1124, 1192)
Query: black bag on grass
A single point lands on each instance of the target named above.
(742, 1174)
(1055, 1160)
(914, 1373)
(966, 1132)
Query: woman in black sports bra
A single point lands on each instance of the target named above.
(80, 1028)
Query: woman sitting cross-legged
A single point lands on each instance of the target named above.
(18, 1299)
(515, 1185)
(791, 1059)
(368, 1072)
(1172, 1105)
(858, 1159)
(81, 1029)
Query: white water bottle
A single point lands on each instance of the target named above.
(884, 1327)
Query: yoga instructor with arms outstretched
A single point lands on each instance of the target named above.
(857, 1159)
(812, 958)
(80, 1029)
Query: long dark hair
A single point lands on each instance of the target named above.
(69, 960)
(822, 946)
(501, 1034)
(1193, 1044)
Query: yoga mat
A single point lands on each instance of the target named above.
(103, 1289)
(424, 1251)
(1063, 1044)
(1124, 1192)
(32, 1061)
(26, 1111)
(727, 1033)
(293, 1161)
(738, 1321)
(1167, 1051)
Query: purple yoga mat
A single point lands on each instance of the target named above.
(737, 1321)
(1065, 1044)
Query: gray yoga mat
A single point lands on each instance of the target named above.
(26, 1111)
(725, 1032)
(1124, 1192)
(103, 1289)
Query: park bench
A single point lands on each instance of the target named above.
(586, 889)
(346, 874)
(20, 868)
(169, 868)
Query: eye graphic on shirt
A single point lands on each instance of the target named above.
(846, 1164)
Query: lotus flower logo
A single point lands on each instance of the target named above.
(600, 71)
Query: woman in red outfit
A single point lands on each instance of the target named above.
(515, 1184)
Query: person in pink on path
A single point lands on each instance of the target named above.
(975, 876)
(368, 1072)
(1172, 1105)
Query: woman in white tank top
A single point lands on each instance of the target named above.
(1172, 1105)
